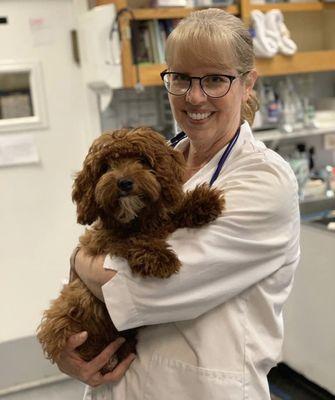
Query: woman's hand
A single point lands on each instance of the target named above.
(71, 364)
(91, 271)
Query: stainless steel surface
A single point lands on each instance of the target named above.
(317, 206)
(318, 213)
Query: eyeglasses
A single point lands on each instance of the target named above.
(212, 85)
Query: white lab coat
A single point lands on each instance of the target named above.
(215, 329)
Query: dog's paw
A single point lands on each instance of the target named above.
(211, 204)
(202, 206)
(154, 262)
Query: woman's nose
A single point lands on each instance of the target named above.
(196, 95)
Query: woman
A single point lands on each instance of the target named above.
(214, 330)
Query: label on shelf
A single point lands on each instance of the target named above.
(329, 141)
(171, 3)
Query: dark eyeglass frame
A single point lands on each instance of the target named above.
(190, 78)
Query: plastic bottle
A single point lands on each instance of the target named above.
(287, 120)
(297, 102)
(300, 166)
(272, 105)
(309, 114)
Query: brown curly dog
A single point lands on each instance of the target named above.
(131, 190)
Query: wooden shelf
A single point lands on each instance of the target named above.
(172, 12)
(149, 74)
(301, 62)
(329, 6)
(289, 7)
(286, 7)
(309, 61)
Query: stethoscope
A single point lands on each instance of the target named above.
(182, 135)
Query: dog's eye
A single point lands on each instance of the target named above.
(144, 161)
(104, 168)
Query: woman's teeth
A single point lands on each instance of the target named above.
(198, 116)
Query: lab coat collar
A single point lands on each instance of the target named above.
(208, 169)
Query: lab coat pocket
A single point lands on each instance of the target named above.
(173, 379)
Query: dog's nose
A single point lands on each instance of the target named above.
(125, 185)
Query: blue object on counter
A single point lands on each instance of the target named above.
(222, 2)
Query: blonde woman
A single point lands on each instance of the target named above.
(214, 330)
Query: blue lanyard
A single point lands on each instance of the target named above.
(175, 140)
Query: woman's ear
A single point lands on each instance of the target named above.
(249, 84)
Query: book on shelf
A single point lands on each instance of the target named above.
(148, 40)
(148, 44)
(160, 41)
(140, 42)
(154, 39)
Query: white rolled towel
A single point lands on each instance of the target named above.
(265, 45)
(275, 26)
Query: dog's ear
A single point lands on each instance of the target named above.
(178, 165)
(83, 196)
(83, 193)
(154, 146)
(170, 169)
(168, 163)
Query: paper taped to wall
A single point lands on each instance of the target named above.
(41, 30)
(16, 149)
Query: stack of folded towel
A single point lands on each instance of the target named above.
(270, 34)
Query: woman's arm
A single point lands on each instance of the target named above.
(257, 236)
(91, 272)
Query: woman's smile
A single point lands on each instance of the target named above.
(199, 117)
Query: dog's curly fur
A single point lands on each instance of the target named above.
(130, 190)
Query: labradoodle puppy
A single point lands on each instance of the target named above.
(130, 192)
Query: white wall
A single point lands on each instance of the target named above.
(38, 227)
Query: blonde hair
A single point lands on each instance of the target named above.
(214, 37)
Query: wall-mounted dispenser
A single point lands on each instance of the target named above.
(99, 47)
